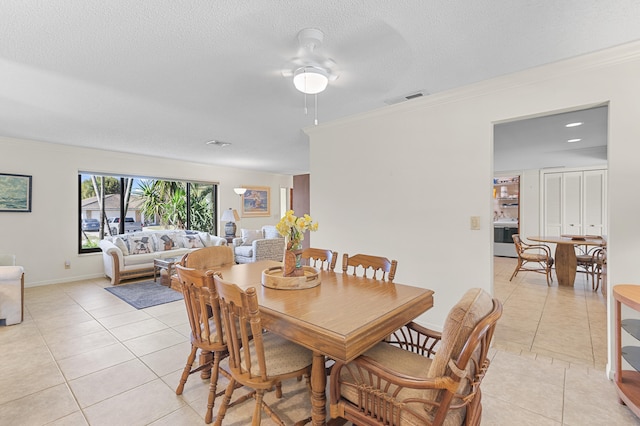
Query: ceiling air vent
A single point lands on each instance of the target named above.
(406, 97)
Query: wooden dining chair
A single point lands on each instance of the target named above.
(538, 254)
(203, 311)
(320, 258)
(420, 376)
(208, 258)
(257, 360)
(366, 262)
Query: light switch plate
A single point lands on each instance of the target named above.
(475, 223)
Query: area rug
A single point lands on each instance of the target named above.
(145, 294)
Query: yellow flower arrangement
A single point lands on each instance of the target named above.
(293, 228)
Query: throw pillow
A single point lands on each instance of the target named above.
(250, 235)
(167, 241)
(206, 240)
(271, 231)
(140, 244)
(192, 241)
(119, 242)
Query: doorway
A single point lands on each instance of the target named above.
(532, 311)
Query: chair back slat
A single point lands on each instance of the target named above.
(366, 262)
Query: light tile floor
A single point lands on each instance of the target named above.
(82, 356)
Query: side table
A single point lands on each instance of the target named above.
(164, 264)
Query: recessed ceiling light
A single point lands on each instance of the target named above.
(218, 143)
(574, 140)
(577, 123)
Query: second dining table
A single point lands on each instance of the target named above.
(340, 318)
(565, 255)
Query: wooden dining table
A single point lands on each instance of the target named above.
(340, 318)
(565, 255)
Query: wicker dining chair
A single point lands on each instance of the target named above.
(420, 376)
(538, 254)
(367, 262)
(590, 261)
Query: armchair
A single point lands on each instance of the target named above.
(11, 290)
(418, 376)
(260, 244)
(539, 254)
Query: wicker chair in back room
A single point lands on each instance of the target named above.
(538, 254)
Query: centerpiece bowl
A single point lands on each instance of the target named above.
(274, 278)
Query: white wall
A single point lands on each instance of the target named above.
(404, 180)
(43, 239)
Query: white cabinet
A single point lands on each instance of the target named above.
(595, 201)
(574, 202)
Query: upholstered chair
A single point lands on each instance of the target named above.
(259, 244)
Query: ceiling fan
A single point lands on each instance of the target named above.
(311, 71)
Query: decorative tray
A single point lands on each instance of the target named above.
(273, 278)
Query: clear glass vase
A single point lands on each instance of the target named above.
(293, 259)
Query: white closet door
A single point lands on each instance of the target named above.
(572, 202)
(595, 182)
(552, 214)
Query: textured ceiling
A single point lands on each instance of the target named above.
(163, 77)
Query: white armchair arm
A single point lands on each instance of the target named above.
(113, 260)
(11, 294)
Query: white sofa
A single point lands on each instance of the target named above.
(131, 255)
(259, 244)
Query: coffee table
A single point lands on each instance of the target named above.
(164, 264)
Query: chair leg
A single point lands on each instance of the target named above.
(206, 358)
(596, 278)
(225, 402)
(257, 410)
(213, 387)
(187, 370)
(517, 269)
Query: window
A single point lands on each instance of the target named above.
(111, 205)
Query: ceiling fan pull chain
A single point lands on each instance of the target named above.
(315, 109)
(306, 111)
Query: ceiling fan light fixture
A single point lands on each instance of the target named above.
(310, 80)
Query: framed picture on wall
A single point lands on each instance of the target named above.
(15, 193)
(256, 201)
